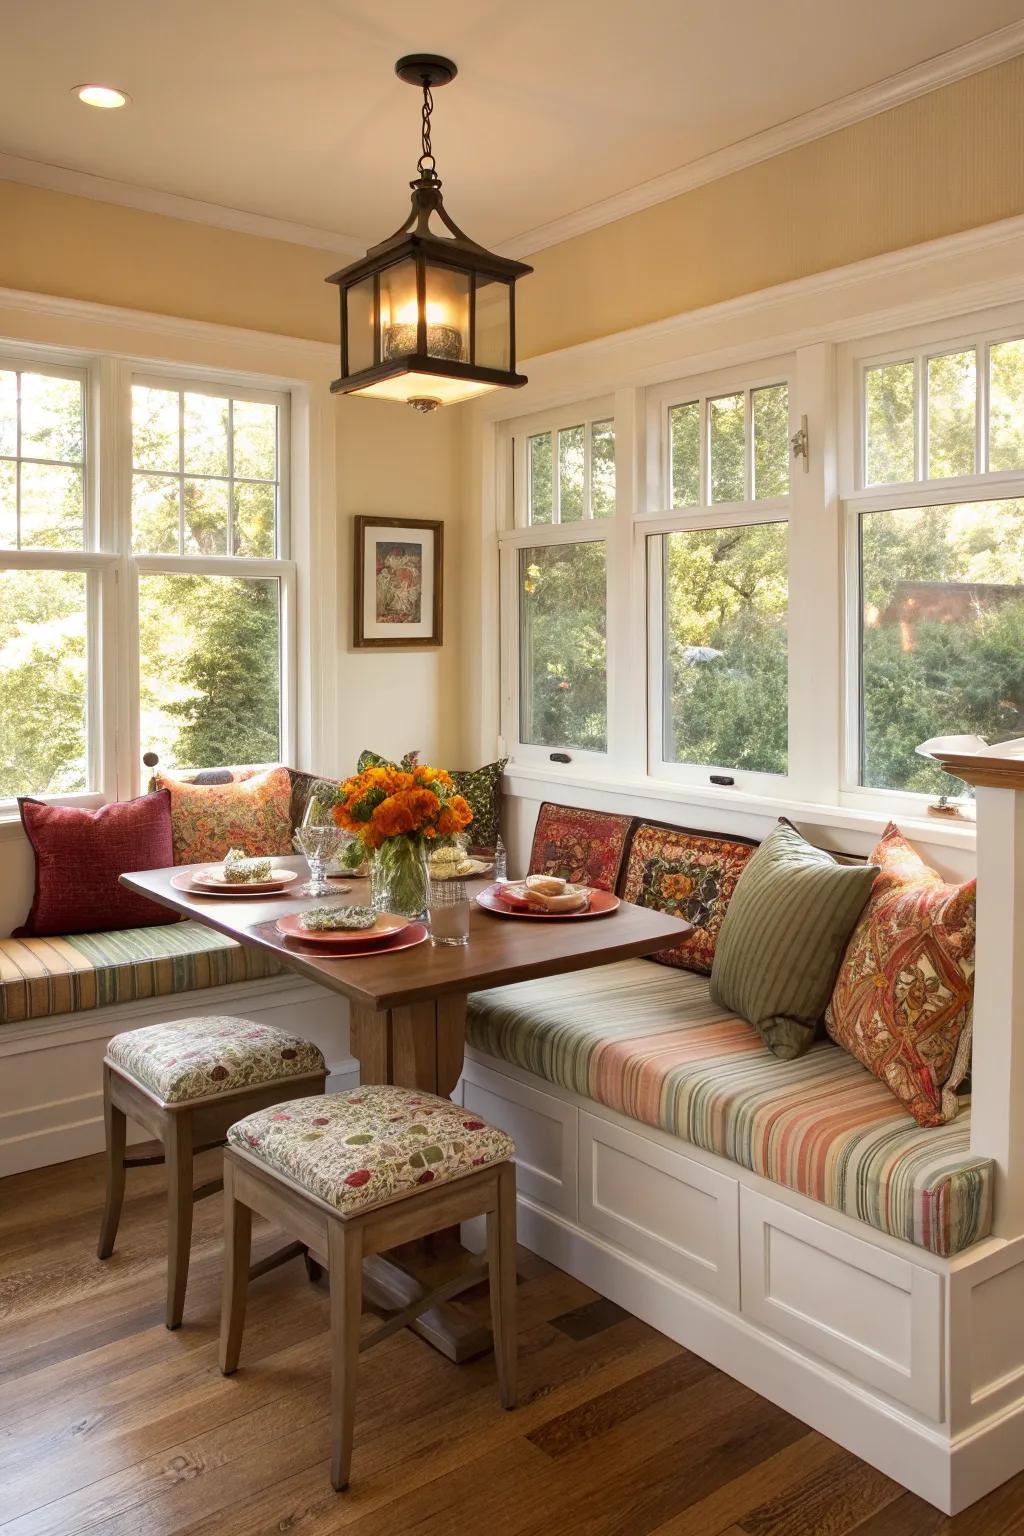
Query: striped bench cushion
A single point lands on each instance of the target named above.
(648, 1041)
(42, 977)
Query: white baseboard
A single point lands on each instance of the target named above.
(51, 1105)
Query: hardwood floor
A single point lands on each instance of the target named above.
(111, 1426)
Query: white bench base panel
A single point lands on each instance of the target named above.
(913, 1362)
(51, 1077)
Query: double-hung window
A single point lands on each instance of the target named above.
(146, 589)
(935, 511)
(555, 558)
(209, 555)
(50, 583)
(716, 538)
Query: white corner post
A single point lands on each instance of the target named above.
(997, 1113)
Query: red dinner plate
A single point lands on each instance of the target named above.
(183, 881)
(601, 903)
(212, 878)
(388, 924)
(404, 938)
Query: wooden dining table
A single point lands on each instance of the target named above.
(408, 1007)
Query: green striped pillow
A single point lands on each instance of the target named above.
(783, 937)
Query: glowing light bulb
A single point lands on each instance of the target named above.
(108, 97)
(444, 339)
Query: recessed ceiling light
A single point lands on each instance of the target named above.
(106, 96)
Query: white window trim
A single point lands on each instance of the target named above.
(656, 516)
(917, 344)
(824, 611)
(114, 749)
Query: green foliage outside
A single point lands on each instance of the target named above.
(563, 655)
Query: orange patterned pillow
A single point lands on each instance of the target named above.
(253, 814)
(904, 994)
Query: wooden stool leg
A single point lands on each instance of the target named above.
(178, 1150)
(237, 1252)
(116, 1130)
(345, 1273)
(501, 1267)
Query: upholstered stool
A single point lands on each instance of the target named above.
(353, 1174)
(186, 1082)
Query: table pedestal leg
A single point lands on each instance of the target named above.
(419, 1046)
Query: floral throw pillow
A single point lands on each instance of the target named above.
(253, 814)
(586, 847)
(903, 999)
(690, 875)
(480, 786)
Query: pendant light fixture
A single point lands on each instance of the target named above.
(428, 316)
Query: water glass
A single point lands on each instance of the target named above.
(448, 910)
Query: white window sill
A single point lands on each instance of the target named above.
(526, 779)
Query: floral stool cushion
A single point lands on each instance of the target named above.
(198, 1058)
(370, 1145)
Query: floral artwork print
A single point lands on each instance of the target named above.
(370, 1145)
(198, 1058)
(399, 582)
(691, 875)
(902, 1002)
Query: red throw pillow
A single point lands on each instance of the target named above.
(79, 857)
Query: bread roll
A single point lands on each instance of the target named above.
(545, 885)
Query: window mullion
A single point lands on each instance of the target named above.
(982, 365)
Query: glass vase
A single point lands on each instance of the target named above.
(398, 878)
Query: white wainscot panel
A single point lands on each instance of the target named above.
(543, 1129)
(871, 1313)
(670, 1212)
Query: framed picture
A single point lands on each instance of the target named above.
(398, 566)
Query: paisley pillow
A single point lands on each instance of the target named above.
(690, 875)
(253, 814)
(586, 847)
(902, 1002)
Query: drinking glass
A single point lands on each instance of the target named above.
(319, 845)
(448, 910)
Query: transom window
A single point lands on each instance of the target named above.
(571, 473)
(42, 459)
(939, 415)
(205, 473)
(729, 448)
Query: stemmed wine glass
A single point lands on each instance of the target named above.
(318, 844)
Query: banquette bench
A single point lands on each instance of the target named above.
(62, 997)
(786, 1219)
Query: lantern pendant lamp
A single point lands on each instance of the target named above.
(428, 316)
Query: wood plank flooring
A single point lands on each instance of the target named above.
(111, 1426)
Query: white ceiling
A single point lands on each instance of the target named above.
(289, 108)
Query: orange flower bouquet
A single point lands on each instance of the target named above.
(397, 815)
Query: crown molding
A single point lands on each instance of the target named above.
(105, 319)
(57, 178)
(943, 69)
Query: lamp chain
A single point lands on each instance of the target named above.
(425, 169)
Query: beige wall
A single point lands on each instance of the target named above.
(948, 161)
(81, 249)
(397, 463)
